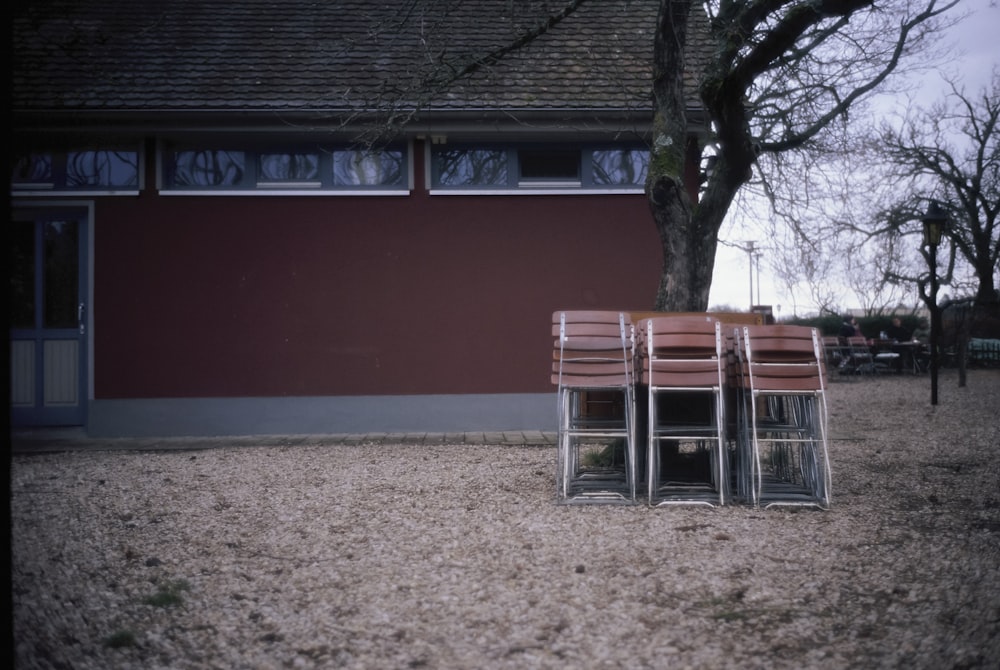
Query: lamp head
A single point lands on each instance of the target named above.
(935, 221)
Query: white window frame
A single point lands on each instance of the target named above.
(61, 154)
(253, 150)
(515, 185)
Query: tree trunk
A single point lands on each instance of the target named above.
(986, 295)
(689, 230)
(682, 282)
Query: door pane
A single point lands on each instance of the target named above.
(62, 269)
(21, 262)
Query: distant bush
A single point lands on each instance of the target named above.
(828, 324)
(871, 326)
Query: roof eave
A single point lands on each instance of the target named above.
(516, 121)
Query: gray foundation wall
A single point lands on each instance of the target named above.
(175, 417)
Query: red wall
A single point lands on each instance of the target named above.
(274, 296)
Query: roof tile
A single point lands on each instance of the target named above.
(333, 57)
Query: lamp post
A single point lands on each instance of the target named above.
(934, 222)
(749, 249)
(756, 257)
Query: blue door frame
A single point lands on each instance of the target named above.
(48, 261)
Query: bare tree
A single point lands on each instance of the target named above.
(778, 74)
(951, 152)
(782, 72)
(828, 238)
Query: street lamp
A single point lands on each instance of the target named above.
(749, 248)
(935, 221)
(756, 257)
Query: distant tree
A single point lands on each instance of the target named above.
(781, 73)
(951, 152)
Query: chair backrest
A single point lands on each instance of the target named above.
(734, 372)
(861, 354)
(858, 344)
(833, 350)
(683, 352)
(592, 349)
(783, 358)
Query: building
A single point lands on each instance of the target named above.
(299, 217)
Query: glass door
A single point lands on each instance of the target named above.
(48, 274)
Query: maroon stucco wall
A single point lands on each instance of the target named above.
(274, 296)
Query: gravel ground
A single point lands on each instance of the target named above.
(455, 556)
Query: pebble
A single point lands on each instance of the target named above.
(456, 556)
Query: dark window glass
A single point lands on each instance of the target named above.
(33, 169)
(288, 167)
(205, 169)
(368, 168)
(102, 168)
(62, 267)
(620, 167)
(21, 261)
(470, 167)
(549, 164)
(208, 168)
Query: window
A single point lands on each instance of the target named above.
(288, 169)
(470, 167)
(549, 166)
(77, 170)
(620, 167)
(207, 168)
(527, 168)
(189, 168)
(34, 170)
(95, 169)
(368, 168)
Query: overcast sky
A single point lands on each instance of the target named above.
(976, 49)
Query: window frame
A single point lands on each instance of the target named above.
(252, 182)
(60, 159)
(516, 184)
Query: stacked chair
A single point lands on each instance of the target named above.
(730, 414)
(782, 458)
(593, 368)
(742, 486)
(684, 369)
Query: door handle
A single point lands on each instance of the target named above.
(80, 310)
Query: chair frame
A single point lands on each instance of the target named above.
(862, 360)
(594, 353)
(785, 410)
(684, 357)
(835, 355)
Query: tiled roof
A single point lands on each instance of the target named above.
(332, 56)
